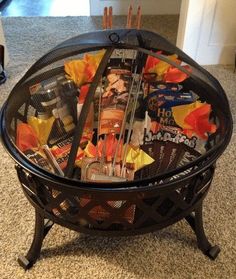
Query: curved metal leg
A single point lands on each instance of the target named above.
(40, 231)
(196, 222)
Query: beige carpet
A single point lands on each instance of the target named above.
(170, 253)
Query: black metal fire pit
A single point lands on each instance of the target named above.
(159, 194)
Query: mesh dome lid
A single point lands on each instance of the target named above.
(116, 106)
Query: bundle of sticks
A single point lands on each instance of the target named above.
(107, 22)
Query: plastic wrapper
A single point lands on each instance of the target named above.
(38, 157)
(162, 97)
(61, 153)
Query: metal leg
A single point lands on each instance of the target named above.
(196, 223)
(42, 227)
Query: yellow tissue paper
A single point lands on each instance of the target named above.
(138, 157)
(180, 112)
(162, 67)
(41, 127)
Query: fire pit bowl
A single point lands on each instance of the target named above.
(160, 193)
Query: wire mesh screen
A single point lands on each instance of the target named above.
(146, 117)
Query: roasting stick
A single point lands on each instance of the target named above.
(138, 18)
(145, 133)
(104, 22)
(128, 26)
(129, 17)
(131, 124)
(122, 130)
(107, 23)
(110, 17)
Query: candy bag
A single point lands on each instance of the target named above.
(162, 97)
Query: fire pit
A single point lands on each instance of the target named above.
(116, 133)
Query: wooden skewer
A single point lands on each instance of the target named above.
(138, 18)
(129, 17)
(104, 22)
(110, 17)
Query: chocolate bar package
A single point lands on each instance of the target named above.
(168, 145)
(38, 157)
(61, 152)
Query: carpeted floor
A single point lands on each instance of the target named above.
(170, 253)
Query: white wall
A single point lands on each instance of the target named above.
(151, 7)
(207, 30)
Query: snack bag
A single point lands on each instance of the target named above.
(162, 97)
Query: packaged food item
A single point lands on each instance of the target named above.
(51, 159)
(114, 99)
(61, 153)
(38, 157)
(155, 149)
(170, 134)
(162, 97)
(167, 145)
